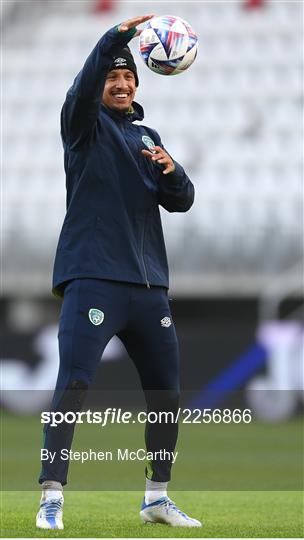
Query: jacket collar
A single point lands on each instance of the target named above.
(136, 114)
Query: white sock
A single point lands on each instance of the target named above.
(51, 490)
(155, 490)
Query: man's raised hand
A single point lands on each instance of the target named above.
(132, 23)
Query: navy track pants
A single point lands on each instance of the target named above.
(93, 311)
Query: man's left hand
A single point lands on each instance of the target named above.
(159, 155)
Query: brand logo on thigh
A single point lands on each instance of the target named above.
(96, 316)
(166, 322)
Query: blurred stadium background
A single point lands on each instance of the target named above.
(234, 120)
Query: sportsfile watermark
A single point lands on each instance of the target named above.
(113, 415)
(245, 440)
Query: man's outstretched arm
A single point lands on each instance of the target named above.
(83, 100)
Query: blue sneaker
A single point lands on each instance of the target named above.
(165, 511)
(50, 513)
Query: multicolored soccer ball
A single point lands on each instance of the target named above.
(168, 45)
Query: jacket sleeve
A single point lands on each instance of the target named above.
(83, 100)
(175, 190)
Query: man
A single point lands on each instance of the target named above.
(111, 267)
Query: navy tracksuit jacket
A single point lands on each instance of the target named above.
(111, 255)
(112, 229)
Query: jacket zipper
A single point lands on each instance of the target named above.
(142, 255)
(142, 236)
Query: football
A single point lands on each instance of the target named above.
(168, 45)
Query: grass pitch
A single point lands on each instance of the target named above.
(115, 515)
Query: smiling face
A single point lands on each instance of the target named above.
(119, 90)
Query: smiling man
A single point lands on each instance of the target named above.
(111, 266)
(121, 82)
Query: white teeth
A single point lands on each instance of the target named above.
(121, 95)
